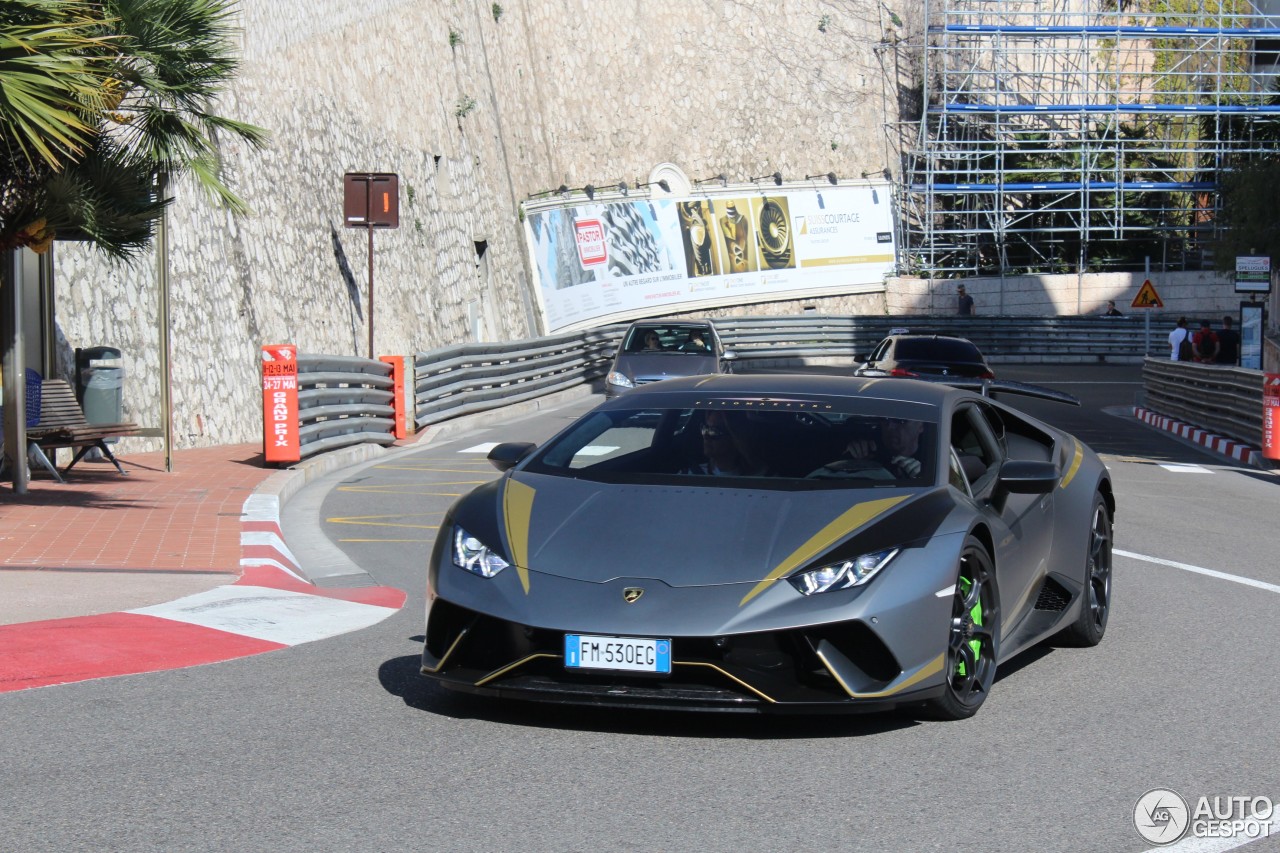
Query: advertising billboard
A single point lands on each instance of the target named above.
(605, 260)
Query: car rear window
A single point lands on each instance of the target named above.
(939, 349)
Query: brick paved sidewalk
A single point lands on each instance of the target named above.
(136, 539)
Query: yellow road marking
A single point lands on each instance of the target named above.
(369, 520)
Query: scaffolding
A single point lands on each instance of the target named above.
(1083, 135)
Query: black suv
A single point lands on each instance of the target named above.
(934, 355)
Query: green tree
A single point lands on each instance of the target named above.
(101, 103)
(1248, 225)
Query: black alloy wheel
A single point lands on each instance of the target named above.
(970, 661)
(1089, 627)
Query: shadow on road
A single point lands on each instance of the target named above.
(400, 677)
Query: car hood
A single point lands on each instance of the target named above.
(651, 367)
(695, 535)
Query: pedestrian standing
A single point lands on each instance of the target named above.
(1180, 346)
(1206, 343)
(964, 302)
(1112, 310)
(1228, 343)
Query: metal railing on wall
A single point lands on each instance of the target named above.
(1223, 399)
(343, 400)
(1001, 338)
(346, 400)
(468, 378)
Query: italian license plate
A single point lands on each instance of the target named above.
(625, 654)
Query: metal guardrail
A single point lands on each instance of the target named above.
(468, 378)
(346, 400)
(1001, 338)
(1223, 399)
(343, 400)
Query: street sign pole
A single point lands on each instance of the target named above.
(371, 200)
(1146, 315)
(370, 230)
(1147, 298)
(1146, 333)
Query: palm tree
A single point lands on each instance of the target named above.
(53, 70)
(177, 57)
(100, 103)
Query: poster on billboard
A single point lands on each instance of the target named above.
(1253, 274)
(606, 260)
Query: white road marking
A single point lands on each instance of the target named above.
(1178, 468)
(1269, 587)
(481, 448)
(1220, 845)
(596, 450)
(943, 593)
(273, 615)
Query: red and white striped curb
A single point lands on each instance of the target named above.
(270, 607)
(1227, 447)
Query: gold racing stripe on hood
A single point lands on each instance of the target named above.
(1074, 466)
(848, 521)
(517, 509)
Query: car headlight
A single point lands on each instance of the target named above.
(843, 575)
(473, 555)
(620, 379)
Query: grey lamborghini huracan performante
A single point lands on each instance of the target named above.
(774, 544)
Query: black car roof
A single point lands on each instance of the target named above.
(681, 392)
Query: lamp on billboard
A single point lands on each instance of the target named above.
(662, 185)
(776, 177)
(371, 200)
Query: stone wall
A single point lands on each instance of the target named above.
(1192, 293)
(475, 109)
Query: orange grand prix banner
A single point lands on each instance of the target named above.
(620, 258)
(280, 441)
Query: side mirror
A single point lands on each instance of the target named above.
(729, 355)
(509, 454)
(1024, 477)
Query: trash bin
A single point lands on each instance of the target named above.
(100, 384)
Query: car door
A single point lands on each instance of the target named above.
(1022, 524)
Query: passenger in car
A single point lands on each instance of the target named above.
(892, 455)
(727, 449)
(652, 341)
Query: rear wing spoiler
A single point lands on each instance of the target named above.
(987, 387)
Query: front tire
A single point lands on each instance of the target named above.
(970, 660)
(1091, 624)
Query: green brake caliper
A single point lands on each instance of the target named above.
(976, 615)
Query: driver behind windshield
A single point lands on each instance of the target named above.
(891, 454)
(694, 342)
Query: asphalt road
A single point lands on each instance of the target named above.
(339, 745)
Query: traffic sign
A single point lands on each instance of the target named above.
(1147, 296)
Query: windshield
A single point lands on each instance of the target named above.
(669, 337)
(763, 449)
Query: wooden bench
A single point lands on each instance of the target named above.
(62, 424)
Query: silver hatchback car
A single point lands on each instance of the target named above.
(653, 350)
